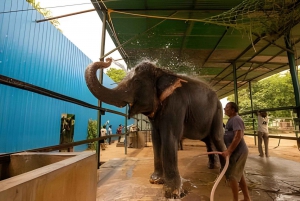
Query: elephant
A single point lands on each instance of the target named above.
(177, 107)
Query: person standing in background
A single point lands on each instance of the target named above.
(119, 131)
(263, 132)
(109, 133)
(103, 133)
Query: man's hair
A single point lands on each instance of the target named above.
(234, 106)
(263, 113)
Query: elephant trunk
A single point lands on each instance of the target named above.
(118, 97)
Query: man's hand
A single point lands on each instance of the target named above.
(226, 153)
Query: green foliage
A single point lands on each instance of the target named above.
(92, 131)
(272, 92)
(116, 75)
(45, 12)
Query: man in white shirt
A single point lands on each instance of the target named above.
(263, 132)
(109, 133)
(103, 133)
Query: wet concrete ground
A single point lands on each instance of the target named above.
(123, 178)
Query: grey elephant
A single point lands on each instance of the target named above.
(177, 106)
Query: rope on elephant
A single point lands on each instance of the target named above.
(212, 193)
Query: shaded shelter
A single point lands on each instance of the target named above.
(226, 43)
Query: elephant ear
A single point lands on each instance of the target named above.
(166, 84)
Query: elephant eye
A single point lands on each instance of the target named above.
(135, 80)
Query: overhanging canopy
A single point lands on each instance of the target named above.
(206, 38)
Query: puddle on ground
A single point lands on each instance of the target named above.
(286, 197)
(188, 187)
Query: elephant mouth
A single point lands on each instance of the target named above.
(130, 105)
(133, 109)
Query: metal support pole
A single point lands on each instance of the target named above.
(293, 71)
(101, 82)
(252, 116)
(141, 123)
(126, 124)
(66, 15)
(235, 84)
(294, 75)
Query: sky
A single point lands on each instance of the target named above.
(84, 30)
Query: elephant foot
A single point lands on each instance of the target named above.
(172, 188)
(175, 194)
(211, 166)
(155, 179)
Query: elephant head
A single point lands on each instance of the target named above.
(142, 89)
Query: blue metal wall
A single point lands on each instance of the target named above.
(37, 53)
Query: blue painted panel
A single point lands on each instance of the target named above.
(37, 53)
(114, 120)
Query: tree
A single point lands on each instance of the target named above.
(116, 75)
(92, 132)
(272, 92)
(45, 12)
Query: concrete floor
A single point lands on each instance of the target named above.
(126, 177)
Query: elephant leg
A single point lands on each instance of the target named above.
(157, 175)
(211, 157)
(180, 144)
(171, 172)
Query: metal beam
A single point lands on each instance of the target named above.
(262, 62)
(275, 136)
(66, 15)
(248, 81)
(121, 45)
(251, 103)
(239, 56)
(102, 10)
(171, 9)
(293, 71)
(280, 52)
(215, 47)
(187, 32)
(273, 43)
(248, 48)
(235, 84)
(102, 49)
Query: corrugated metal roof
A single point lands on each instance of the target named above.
(194, 45)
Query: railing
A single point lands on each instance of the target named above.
(5, 158)
(279, 136)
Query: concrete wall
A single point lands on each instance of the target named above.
(73, 179)
(143, 136)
